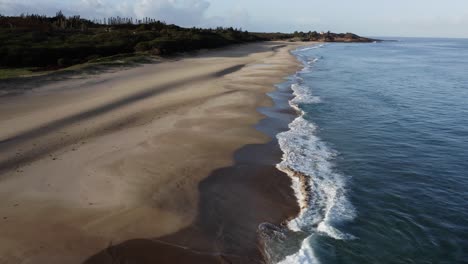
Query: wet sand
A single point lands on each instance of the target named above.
(234, 201)
(142, 159)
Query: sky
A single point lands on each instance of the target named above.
(406, 18)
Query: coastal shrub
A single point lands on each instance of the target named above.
(143, 46)
(39, 41)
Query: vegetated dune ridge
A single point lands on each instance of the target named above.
(90, 162)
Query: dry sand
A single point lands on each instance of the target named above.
(90, 162)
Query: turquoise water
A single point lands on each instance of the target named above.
(383, 144)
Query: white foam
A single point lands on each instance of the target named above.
(307, 155)
(303, 95)
(306, 61)
(313, 61)
(305, 255)
(315, 46)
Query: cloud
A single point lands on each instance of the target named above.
(93, 3)
(87, 8)
(181, 12)
(16, 7)
(186, 13)
(237, 17)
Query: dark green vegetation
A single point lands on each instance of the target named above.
(330, 37)
(55, 42)
(38, 43)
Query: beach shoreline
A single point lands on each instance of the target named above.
(91, 163)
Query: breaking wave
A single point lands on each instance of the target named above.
(320, 190)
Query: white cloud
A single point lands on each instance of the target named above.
(237, 17)
(93, 3)
(181, 12)
(16, 7)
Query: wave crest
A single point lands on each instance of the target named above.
(320, 190)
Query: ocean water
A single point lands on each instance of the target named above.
(379, 154)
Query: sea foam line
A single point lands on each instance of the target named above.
(319, 189)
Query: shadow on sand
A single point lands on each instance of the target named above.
(234, 201)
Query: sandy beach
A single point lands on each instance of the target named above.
(145, 165)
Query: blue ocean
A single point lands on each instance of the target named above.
(379, 153)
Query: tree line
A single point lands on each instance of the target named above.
(49, 42)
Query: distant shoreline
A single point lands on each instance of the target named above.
(36, 44)
(114, 62)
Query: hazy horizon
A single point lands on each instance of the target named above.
(398, 18)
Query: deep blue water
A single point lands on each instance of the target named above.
(388, 126)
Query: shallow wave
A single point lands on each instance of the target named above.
(310, 48)
(302, 95)
(320, 190)
(305, 255)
